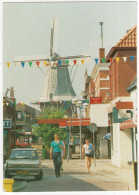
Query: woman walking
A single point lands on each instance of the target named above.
(55, 153)
(87, 149)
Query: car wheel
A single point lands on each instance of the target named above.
(39, 177)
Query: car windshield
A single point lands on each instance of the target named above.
(28, 154)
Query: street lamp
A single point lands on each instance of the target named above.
(79, 103)
(85, 106)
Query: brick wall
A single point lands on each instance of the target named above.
(122, 74)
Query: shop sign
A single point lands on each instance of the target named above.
(95, 100)
(7, 123)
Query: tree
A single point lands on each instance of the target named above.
(47, 131)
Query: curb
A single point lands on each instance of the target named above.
(18, 185)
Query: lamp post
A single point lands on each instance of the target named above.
(79, 103)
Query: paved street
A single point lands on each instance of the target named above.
(73, 178)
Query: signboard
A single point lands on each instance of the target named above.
(7, 123)
(95, 100)
(62, 124)
(93, 127)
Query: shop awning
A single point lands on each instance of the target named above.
(127, 124)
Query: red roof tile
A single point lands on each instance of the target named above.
(129, 40)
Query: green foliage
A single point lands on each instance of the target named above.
(47, 131)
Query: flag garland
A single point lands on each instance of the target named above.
(82, 61)
(38, 103)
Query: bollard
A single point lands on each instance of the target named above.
(8, 185)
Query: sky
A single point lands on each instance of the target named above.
(26, 33)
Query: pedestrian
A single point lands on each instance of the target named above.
(30, 140)
(55, 153)
(62, 153)
(87, 149)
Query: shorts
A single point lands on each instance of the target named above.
(88, 155)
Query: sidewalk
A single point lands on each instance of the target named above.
(104, 168)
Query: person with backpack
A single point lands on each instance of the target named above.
(55, 153)
(88, 150)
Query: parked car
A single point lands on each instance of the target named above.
(24, 162)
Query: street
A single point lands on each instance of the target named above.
(73, 178)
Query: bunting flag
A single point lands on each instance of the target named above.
(96, 60)
(59, 62)
(30, 63)
(103, 60)
(110, 59)
(74, 61)
(131, 57)
(15, 103)
(19, 104)
(7, 104)
(67, 62)
(82, 61)
(124, 58)
(23, 103)
(23, 63)
(117, 60)
(45, 63)
(53, 63)
(3, 104)
(8, 64)
(38, 63)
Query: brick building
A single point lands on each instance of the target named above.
(122, 69)
(122, 73)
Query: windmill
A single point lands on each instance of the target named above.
(58, 86)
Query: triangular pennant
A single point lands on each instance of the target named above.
(117, 59)
(96, 60)
(103, 60)
(3, 104)
(7, 104)
(45, 63)
(23, 103)
(110, 59)
(23, 63)
(124, 58)
(8, 64)
(67, 61)
(19, 103)
(82, 61)
(15, 103)
(74, 61)
(38, 63)
(132, 57)
(59, 62)
(30, 63)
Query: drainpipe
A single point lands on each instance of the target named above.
(132, 145)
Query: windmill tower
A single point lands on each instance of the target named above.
(58, 86)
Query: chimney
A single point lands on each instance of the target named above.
(11, 92)
(101, 54)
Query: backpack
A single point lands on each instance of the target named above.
(91, 148)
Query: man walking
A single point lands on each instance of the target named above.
(55, 153)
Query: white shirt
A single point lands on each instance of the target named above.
(86, 147)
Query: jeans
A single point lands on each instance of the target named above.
(57, 162)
